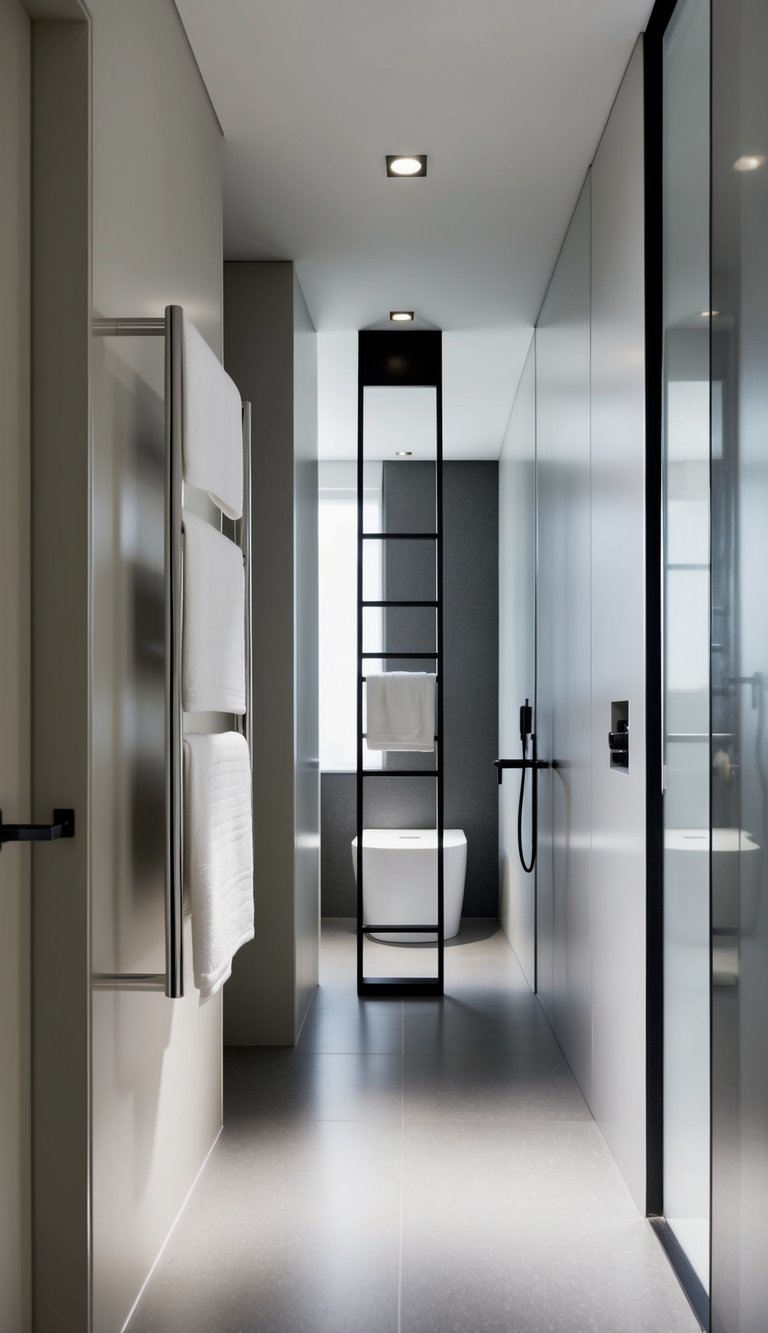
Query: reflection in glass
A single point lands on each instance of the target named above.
(686, 631)
(740, 668)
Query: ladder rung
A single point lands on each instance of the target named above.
(400, 930)
(400, 536)
(436, 739)
(399, 772)
(394, 987)
(364, 678)
(393, 603)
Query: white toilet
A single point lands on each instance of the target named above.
(400, 880)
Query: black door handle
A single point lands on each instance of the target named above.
(63, 826)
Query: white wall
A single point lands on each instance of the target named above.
(14, 663)
(564, 681)
(590, 445)
(618, 631)
(157, 239)
(517, 664)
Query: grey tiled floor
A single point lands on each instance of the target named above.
(412, 1167)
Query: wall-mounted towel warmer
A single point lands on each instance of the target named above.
(170, 327)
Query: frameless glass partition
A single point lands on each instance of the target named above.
(686, 633)
(740, 667)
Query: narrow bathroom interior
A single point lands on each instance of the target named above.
(383, 666)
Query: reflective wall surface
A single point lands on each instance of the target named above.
(740, 666)
(686, 447)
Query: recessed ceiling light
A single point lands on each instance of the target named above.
(748, 163)
(709, 314)
(406, 164)
(403, 453)
(401, 316)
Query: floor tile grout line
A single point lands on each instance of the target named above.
(402, 1170)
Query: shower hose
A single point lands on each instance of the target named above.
(527, 867)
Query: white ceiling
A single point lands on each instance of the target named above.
(507, 97)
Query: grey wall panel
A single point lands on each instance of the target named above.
(618, 643)
(470, 554)
(15, 554)
(259, 347)
(157, 227)
(271, 353)
(61, 628)
(563, 646)
(307, 764)
(517, 656)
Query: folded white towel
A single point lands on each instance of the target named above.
(400, 711)
(212, 436)
(213, 647)
(218, 852)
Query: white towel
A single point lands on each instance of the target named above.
(218, 852)
(400, 711)
(212, 436)
(213, 640)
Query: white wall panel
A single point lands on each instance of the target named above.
(618, 642)
(564, 681)
(157, 238)
(517, 655)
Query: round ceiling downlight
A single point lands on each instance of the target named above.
(406, 164)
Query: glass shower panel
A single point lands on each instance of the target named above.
(740, 668)
(686, 631)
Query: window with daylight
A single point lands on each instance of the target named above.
(337, 553)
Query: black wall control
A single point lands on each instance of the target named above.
(618, 736)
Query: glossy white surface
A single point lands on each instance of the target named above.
(517, 656)
(563, 652)
(618, 631)
(400, 880)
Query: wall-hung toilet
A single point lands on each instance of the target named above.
(400, 880)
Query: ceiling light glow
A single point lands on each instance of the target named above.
(401, 316)
(403, 453)
(750, 162)
(709, 314)
(406, 164)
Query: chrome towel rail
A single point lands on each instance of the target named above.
(170, 326)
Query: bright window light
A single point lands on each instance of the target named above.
(337, 537)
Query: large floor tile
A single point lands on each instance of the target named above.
(524, 1229)
(491, 1086)
(277, 1084)
(459, 1029)
(365, 1026)
(414, 1166)
(280, 1236)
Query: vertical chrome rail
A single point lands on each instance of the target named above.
(174, 759)
(243, 538)
(171, 981)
